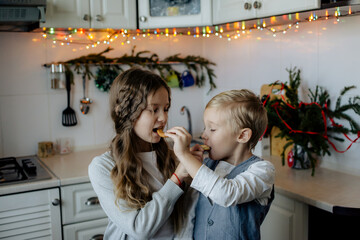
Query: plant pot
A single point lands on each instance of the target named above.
(298, 158)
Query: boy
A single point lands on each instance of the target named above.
(236, 186)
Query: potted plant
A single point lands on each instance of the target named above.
(310, 128)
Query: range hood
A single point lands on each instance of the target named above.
(21, 15)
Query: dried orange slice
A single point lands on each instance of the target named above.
(205, 147)
(161, 133)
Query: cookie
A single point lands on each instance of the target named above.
(205, 147)
(161, 133)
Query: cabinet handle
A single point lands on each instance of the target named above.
(257, 4)
(99, 18)
(55, 202)
(92, 201)
(247, 6)
(97, 237)
(142, 19)
(86, 17)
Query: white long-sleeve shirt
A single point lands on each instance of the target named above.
(255, 183)
(150, 222)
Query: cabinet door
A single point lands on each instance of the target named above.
(225, 11)
(30, 215)
(160, 14)
(236, 10)
(115, 14)
(270, 8)
(80, 203)
(67, 13)
(287, 219)
(86, 230)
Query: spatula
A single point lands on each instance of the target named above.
(68, 115)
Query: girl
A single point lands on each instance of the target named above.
(137, 181)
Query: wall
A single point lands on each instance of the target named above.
(31, 111)
(325, 51)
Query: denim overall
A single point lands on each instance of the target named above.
(236, 222)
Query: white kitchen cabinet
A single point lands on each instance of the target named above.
(95, 14)
(31, 215)
(86, 230)
(237, 10)
(287, 219)
(83, 217)
(162, 14)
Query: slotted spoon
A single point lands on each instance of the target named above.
(68, 115)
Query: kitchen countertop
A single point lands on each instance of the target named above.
(72, 168)
(326, 190)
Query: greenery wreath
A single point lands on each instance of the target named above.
(110, 67)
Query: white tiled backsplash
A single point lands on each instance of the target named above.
(30, 111)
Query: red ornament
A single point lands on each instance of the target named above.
(290, 159)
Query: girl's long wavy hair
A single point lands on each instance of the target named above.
(128, 98)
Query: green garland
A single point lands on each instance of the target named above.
(110, 67)
(104, 78)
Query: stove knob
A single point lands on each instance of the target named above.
(55, 202)
(29, 166)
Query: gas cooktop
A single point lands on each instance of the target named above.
(15, 170)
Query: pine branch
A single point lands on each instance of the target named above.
(307, 121)
(194, 64)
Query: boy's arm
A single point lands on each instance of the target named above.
(182, 141)
(254, 183)
(191, 163)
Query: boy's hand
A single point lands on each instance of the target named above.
(181, 172)
(182, 140)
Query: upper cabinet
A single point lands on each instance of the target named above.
(174, 13)
(237, 10)
(91, 14)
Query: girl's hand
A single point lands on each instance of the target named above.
(182, 140)
(198, 152)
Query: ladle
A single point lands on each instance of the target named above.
(85, 101)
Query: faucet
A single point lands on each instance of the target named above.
(182, 111)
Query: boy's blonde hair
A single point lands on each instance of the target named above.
(244, 110)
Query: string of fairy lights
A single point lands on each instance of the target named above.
(90, 38)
